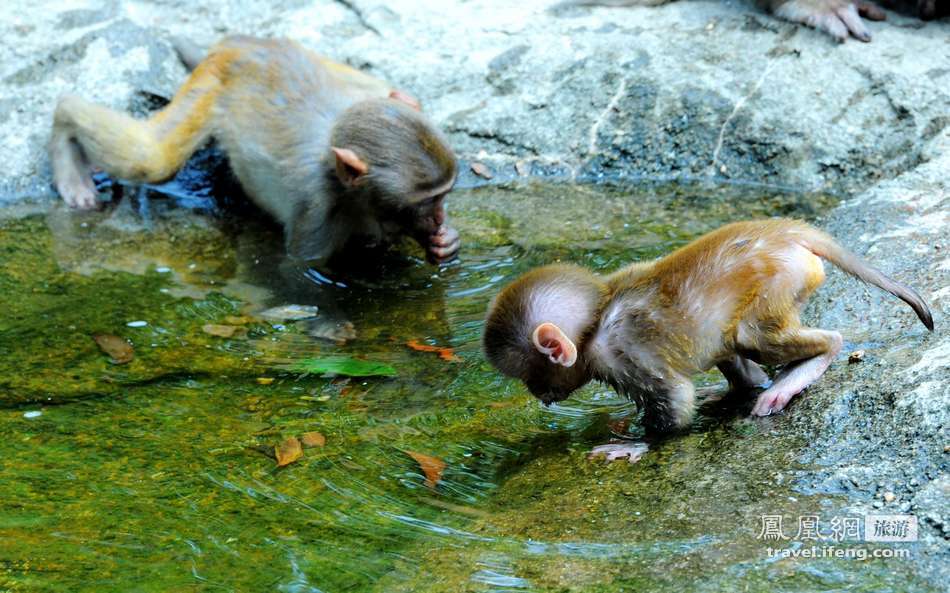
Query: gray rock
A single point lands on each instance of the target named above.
(96, 54)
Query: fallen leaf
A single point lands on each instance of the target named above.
(288, 452)
(340, 365)
(431, 466)
(856, 356)
(313, 439)
(119, 350)
(265, 380)
(221, 331)
(289, 313)
(481, 170)
(446, 354)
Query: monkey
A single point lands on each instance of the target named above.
(333, 154)
(924, 9)
(729, 299)
(839, 18)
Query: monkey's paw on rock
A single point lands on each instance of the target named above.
(632, 452)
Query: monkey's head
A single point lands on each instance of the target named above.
(397, 165)
(537, 327)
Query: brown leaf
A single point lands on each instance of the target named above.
(481, 170)
(313, 439)
(288, 452)
(221, 331)
(856, 356)
(431, 466)
(117, 348)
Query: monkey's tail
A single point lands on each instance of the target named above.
(827, 248)
(190, 53)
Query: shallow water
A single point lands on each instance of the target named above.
(159, 475)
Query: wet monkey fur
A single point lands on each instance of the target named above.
(729, 299)
(331, 153)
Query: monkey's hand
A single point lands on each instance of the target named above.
(443, 245)
(838, 18)
(631, 451)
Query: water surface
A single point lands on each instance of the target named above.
(159, 475)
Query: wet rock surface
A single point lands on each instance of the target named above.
(709, 90)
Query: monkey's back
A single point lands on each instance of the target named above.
(703, 294)
(274, 115)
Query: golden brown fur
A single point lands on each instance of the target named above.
(729, 299)
(325, 149)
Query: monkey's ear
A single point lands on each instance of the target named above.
(403, 97)
(551, 341)
(349, 167)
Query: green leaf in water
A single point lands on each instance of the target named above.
(340, 365)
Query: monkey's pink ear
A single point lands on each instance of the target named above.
(349, 167)
(551, 341)
(402, 97)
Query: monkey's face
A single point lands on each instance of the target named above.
(408, 168)
(552, 383)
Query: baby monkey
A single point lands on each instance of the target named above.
(330, 152)
(730, 298)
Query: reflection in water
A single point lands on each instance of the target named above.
(158, 475)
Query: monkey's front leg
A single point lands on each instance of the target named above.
(669, 404)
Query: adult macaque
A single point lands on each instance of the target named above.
(730, 299)
(838, 18)
(331, 153)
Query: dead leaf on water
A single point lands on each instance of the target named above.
(221, 331)
(288, 452)
(482, 170)
(431, 466)
(117, 348)
(312, 439)
(446, 354)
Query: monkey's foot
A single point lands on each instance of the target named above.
(78, 190)
(632, 452)
(838, 18)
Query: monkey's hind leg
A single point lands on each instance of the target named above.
(86, 135)
(743, 374)
(810, 352)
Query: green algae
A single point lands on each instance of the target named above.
(157, 476)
